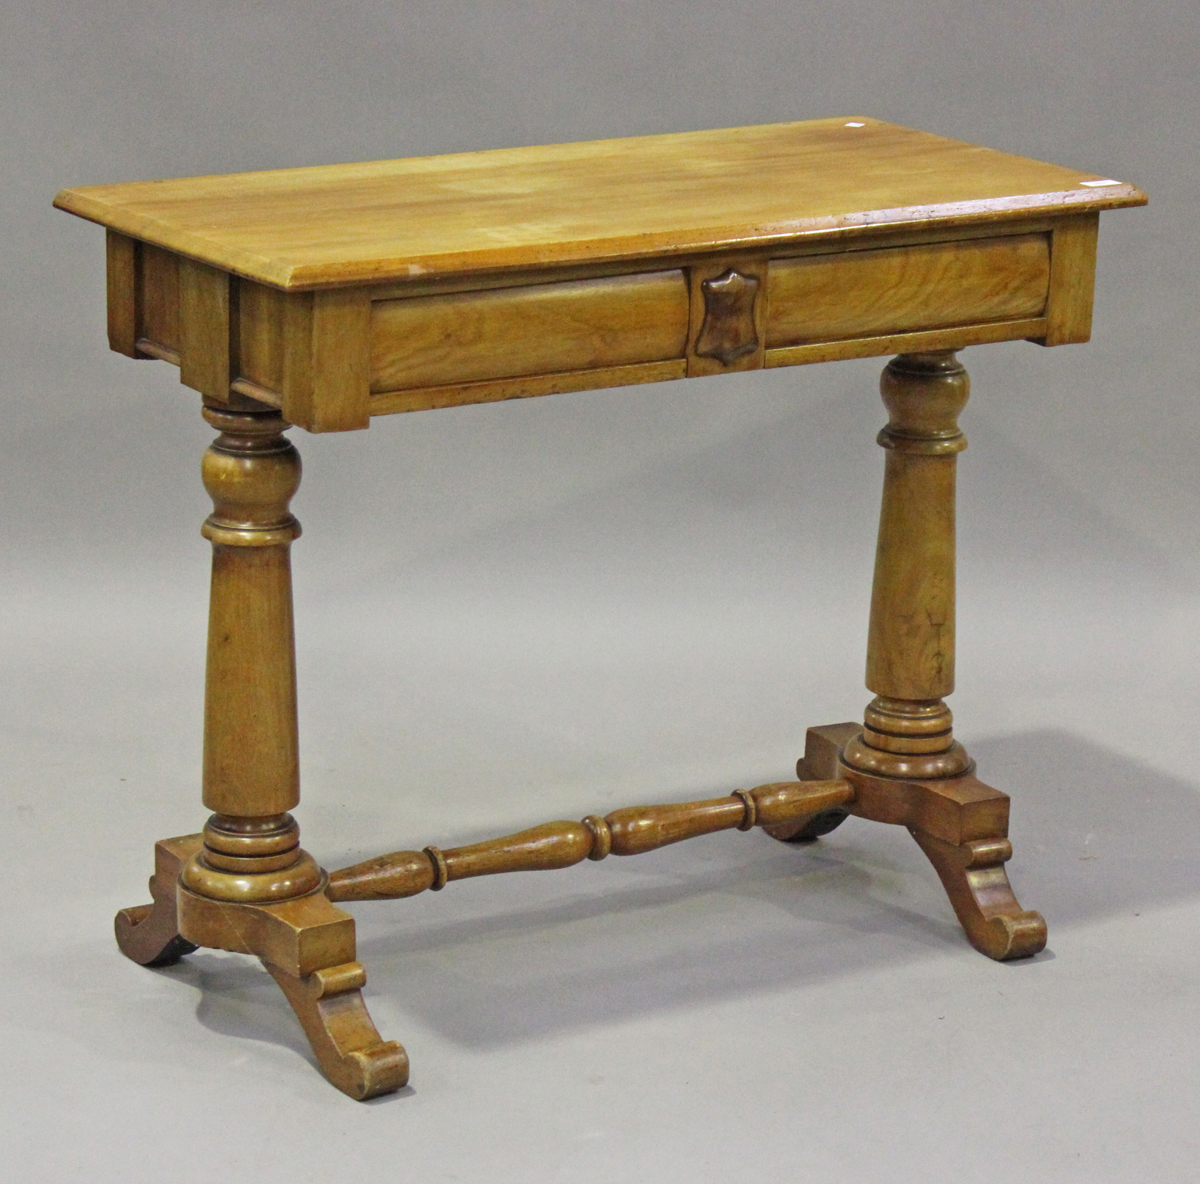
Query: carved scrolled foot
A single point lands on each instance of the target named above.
(308, 946)
(149, 933)
(335, 1019)
(975, 880)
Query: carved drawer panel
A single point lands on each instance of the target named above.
(426, 341)
(905, 289)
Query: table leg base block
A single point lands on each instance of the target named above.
(307, 944)
(822, 747)
(149, 933)
(959, 822)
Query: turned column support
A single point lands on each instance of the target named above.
(903, 764)
(244, 884)
(910, 643)
(251, 776)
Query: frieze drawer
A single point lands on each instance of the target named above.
(822, 298)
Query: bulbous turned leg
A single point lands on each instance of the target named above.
(903, 762)
(245, 884)
(910, 641)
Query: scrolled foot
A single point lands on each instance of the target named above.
(149, 933)
(347, 1044)
(975, 880)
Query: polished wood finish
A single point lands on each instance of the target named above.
(306, 944)
(121, 268)
(520, 336)
(539, 329)
(926, 341)
(149, 933)
(326, 374)
(157, 300)
(360, 290)
(322, 297)
(629, 199)
(491, 391)
(910, 639)
(251, 850)
(329, 1005)
(728, 330)
(245, 884)
(631, 831)
(251, 746)
(1073, 259)
(961, 825)
(728, 315)
(205, 362)
(904, 289)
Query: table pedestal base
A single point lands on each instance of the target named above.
(959, 822)
(245, 885)
(307, 943)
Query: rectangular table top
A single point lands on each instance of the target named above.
(605, 201)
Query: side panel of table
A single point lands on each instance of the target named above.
(330, 359)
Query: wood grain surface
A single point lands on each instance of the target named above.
(540, 329)
(643, 197)
(630, 831)
(903, 289)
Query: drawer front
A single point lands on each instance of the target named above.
(425, 341)
(906, 289)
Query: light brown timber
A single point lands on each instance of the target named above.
(204, 329)
(149, 933)
(121, 281)
(158, 298)
(910, 638)
(540, 329)
(326, 360)
(348, 1047)
(261, 315)
(1072, 261)
(630, 831)
(826, 214)
(251, 747)
(905, 289)
(457, 395)
(639, 198)
(930, 341)
(308, 945)
(961, 825)
(975, 881)
(335, 293)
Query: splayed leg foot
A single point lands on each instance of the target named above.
(975, 880)
(149, 933)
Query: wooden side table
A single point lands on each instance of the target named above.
(320, 297)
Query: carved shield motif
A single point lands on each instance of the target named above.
(728, 330)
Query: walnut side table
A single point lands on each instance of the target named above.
(319, 297)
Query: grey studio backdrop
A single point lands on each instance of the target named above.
(557, 606)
